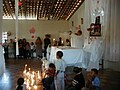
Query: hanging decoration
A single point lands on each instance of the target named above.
(78, 27)
(98, 11)
(32, 32)
(9, 33)
(19, 3)
(95, 26)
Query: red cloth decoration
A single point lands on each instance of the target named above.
(19, 3)
(32, 36)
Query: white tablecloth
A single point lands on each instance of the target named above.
(72, 56)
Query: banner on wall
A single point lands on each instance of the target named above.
(32, 32)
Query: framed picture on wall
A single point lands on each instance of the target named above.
(96, 31)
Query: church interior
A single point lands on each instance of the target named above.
(86, 32)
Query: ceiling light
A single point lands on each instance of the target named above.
(80, 1)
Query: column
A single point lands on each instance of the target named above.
(16, 26)
(2, 60)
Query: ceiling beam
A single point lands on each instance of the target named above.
(67, 3)
(32, 8)
(36, 8)
(51, 9)
(9, 8)
(76, 9)
(43, 9)
(38, 11)
(24, 7)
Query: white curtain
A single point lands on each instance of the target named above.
(110, 26)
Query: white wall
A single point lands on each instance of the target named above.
(41, 27)
(76, 18)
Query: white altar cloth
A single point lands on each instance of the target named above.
(72, 56)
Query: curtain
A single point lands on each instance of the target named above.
(112, 30)
(110, 26)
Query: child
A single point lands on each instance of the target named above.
(60, 69)
(20, 84)
(93, 81)
(48, 82)
(68, 42)
(79, 81)
(27, 50)
(48, 51)
(32, 47)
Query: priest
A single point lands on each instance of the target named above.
(77, 39)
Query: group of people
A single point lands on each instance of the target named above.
(55, 74)
(26, 49)
(54, 78)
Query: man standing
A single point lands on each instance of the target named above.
(46, 43)
(5, 45)
(77, 39)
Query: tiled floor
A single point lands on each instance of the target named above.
(14, 70)
(110, 80)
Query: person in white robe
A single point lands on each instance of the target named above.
(48, 51)
(77, 39)
(96, 51)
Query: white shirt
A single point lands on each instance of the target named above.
(60, 64)
(24, 86)
(32, 46)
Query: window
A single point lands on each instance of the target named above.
(4, 36)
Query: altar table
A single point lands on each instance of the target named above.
(72, 56)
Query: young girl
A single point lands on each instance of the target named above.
(20, 84)
(32, 47)
(48, 81)
(27, 50)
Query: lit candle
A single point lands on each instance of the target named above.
(27, 83)
(53, 39)
(39, 75)
(29, 69)
(35, 87)
(62, 41)
(36, 78)
(32, 82)
(29, 88)
(25, 66)
(24, 73)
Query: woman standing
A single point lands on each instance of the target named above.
(38, 44)
(11, 49)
